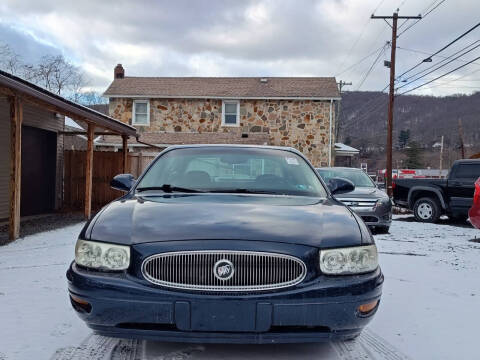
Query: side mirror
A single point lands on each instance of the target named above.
(340, 186)
(122, 182)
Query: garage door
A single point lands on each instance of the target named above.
(39, 149)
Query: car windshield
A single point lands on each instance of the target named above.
(357, 176)
(232, 170)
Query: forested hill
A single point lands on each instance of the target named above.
(363, 120)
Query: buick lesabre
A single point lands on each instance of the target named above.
(223, 243)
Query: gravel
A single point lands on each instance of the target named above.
(41, 223)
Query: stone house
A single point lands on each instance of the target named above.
(283, 111)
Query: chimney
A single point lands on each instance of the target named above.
(119, 72)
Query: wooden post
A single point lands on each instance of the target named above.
(125, 153)
(139, 164)
(89, 171)
(16, 118)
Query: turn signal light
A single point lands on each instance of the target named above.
(366, 308)
(80, 304)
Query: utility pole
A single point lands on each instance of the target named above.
(340, 84)
(460, 133)
(441, 158)
(391, 96)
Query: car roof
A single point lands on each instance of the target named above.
(338, 168)
(184, 146)
(467, 161)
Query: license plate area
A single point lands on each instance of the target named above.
(225, 316)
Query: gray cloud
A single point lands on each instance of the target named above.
(245, 38)
(25, 44)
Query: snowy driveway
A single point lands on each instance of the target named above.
(429, 310)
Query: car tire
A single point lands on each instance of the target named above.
(427, 210)
(382, 229)
(352, 337)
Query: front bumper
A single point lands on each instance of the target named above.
(474, 215)
(324, 308)
(380, 216)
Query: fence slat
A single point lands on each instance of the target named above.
(106, 164)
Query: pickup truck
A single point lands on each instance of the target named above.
(431, 198)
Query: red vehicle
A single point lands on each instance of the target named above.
(474, 213)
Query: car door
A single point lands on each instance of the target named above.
(461, 186)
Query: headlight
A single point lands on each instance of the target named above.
(97, 255)
(353, 260)
(383, 202)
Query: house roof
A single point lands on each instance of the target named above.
(180, 138)
(345, 150)
(36, 94)
(315, 88)
(101, 108)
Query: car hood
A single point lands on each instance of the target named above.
(363, 193)
(300, 220)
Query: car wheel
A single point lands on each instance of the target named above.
(426, 210)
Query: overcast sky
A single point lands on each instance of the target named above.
(245, 38)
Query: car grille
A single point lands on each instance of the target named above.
(360, 204)
(249, 271)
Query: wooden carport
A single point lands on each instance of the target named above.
(18, 92)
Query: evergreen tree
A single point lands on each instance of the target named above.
(414, 156)
(403, 138)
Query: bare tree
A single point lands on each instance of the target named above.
(9, 60)
(56, 74)
(53, 73)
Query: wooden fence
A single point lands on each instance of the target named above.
(106, 164)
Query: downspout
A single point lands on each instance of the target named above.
(330, 136)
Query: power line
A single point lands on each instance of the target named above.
(441, 76)
(426, 53)
(358, 38)
(429, 58)
(457, 79)
(447, 58)
(360, 61)
(425, 11)
(372, 66)
(438, 67)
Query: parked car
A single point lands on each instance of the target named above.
(431, 198)
(367, 200)
(224, 243)
(474, 213)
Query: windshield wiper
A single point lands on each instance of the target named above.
(169, 188)
(245, 191)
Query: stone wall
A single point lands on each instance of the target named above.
(303, 125)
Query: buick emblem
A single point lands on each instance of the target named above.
(223, 269)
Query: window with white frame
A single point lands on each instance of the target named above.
(141, 112)
(231, 113)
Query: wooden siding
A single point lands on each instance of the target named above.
(39, 118)
(4, 157)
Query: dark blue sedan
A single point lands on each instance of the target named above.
(222, 243)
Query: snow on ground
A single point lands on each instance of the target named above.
(431, 295)
(36, 317)
(429, 308)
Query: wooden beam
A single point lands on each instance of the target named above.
(6, 91)
(16, 118)
(72, 133)
(89, 171)
(35, 101)
(125, 153)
